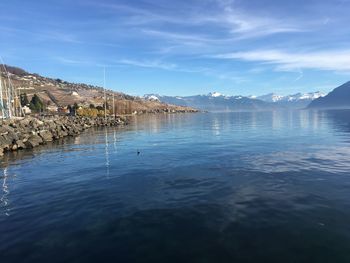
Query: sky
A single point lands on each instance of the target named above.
(182, 47)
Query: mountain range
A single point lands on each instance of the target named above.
(216, 101)
(56, 93)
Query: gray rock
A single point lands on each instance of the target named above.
(20, 144)
(5, 142)
(33, 141)
(46, 136)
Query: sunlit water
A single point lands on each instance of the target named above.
(231, 187)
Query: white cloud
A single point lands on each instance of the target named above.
(225, 15)
(70, 61)
(148, 64)
(246, 25)
(286, 61)
(189, 39)
(157, 64)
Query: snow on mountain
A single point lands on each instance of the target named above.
(312, 95)
(216, 101)
(151, 97)
(290, 98)
(215, 94)
(271, 97)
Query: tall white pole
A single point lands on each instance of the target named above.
(1, 99)
(11, 94)
(104, 89)
(7, 91)
(113, 106)
(8, 101)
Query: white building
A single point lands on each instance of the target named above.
(26, 110)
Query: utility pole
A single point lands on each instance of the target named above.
(104, 89)
(8, 101)
(1, 98)
(113, 106)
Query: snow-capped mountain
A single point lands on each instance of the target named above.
(151, 97)
(216, 101)
(295, 101)
(215, 94)
(272, 97)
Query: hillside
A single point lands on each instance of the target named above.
(56, 93)
(339, 98)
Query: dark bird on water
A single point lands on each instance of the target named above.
(138, 152)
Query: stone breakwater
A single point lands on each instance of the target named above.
(27, 133)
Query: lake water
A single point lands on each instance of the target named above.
(225, 187)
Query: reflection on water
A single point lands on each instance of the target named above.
(4, 200)
(231, 187)
(115, 141)
(107, 152)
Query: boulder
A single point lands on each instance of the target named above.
(25, 122)
(33, 141)
(5, 142)
(46, 135)
(14, 147)
(20, 144)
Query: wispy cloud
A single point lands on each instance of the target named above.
(184, 38)
(234, 77)
(70, 61)
(58, 36)
(148, 64)
(247, 25)
(226, 16)
(284, 60)
(300, 76)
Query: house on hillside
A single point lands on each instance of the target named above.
(26, 110)
(63, 110)
(52, 108)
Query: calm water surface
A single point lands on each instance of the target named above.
(231, 187)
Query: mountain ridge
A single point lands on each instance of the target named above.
(339, 98)
(215, 101)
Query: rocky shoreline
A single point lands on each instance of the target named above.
(30, 132)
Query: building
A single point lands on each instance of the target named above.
(26, 110)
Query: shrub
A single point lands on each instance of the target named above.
(36, 104)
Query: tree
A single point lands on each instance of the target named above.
(92, 106)
(70, 108)
(24, 99)
(75, 107)
(36, 104)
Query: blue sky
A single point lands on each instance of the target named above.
(182, 47)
